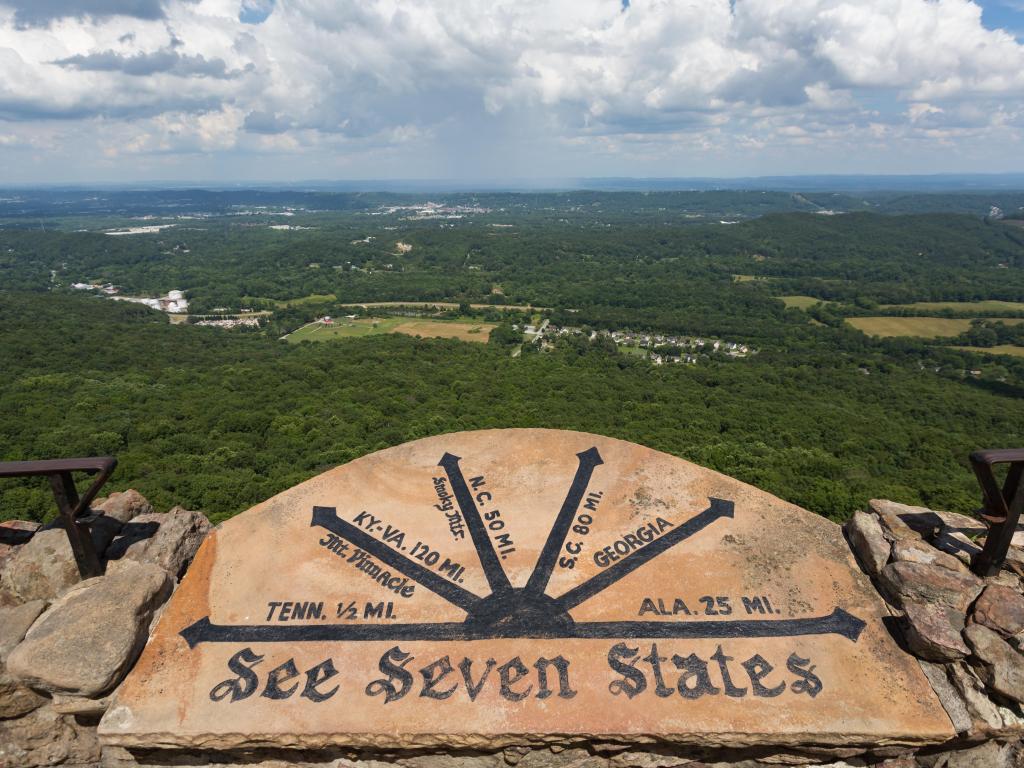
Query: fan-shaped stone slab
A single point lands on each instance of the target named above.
(518, 586)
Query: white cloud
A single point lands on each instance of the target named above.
(376, 78)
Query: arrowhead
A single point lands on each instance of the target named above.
(449, 459)
(195, 633)
(848, 625)
(722, 507)
(322, 515)
(590, 456)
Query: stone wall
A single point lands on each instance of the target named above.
(66, 645)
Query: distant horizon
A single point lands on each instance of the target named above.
(934, 183)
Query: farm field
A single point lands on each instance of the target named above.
(922, 327)
(345, 329)
(315, 298)
(440, 305)
(1001, 349)
(963, 306)
(451, 330)
(800, 302)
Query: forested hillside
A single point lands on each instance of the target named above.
(218, 421)
(827, 358)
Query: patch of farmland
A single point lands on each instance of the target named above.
(441, 330)
(1000, 349)
(800, 302)
(963, 306)
(921, 327)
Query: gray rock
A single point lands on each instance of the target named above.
(124, 506)
(86, 642)
(917, 551)
(928, 522)
(1000, 608)
(932, 631)
(957, 544)
(971, 526)
(949, 697)
(1006, 578)
(8, 599)
(76, 705)
(866, 539)
(981, 708)
(1013, 720)
(176, 541)
(14, 623)
(16, 699)
(14, 533)
(102, 528)
(899, 762)
(135, 536)
(991, 754)
(889, 514)
(1003, 669)
(45, 738)
(42, 568)
(45, 566)
(905, 582)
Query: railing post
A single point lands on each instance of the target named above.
(78, 532)
(1002, 506)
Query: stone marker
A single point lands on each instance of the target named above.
(519, 586)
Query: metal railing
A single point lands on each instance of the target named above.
(1002, 506)
(74, 509)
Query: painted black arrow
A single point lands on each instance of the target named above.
(839, 622)
(538, 582)
(719, 508)
(496, 576)
(327, 517)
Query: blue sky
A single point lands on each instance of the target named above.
(126, 90)
(1004, 14)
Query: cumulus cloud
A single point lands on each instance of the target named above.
(36, 12)
(165, 60)
(607, 77)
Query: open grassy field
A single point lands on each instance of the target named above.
(341, 329)
(439, 305)
(964, 306)
(446, 330)
(316, 298)
(345, 329)
(800, 302)
(1002, 349)
(923, 327)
